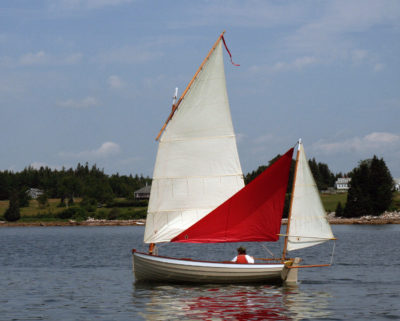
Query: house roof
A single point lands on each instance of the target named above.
(145, 189)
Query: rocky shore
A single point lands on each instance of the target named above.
(386, 218)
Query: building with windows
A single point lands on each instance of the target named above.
(343, 183)
(143, 193)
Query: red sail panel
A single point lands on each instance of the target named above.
(252, 214)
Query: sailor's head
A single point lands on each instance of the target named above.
(241, 250)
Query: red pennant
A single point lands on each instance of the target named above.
(226, 47)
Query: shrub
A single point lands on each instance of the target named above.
(128, 203)
(114, 214)
(101, 215)
(89, 204)
(76, 213)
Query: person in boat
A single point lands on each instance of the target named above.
(242, 257)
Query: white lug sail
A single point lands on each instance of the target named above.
(308, 220)
(197, 165)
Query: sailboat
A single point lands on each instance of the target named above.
(198, 193)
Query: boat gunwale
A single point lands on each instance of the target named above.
(219, 263)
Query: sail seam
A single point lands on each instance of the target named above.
(209, 176)
(196, 138)
(181, 210)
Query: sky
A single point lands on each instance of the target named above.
(92, 80)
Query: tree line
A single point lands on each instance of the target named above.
(66, 184)
(323, 176)
(370, 192)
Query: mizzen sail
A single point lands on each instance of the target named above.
(308, 220)
(254, 214)
(197, 166)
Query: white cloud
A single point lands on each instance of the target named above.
(376, 141)
(41, 58)
(115, 82)
(127, 55)
(33, 58)
(83, 103)
(382, 138)
(264, 139)
(107, 149)
(297, 64)
(358, 55)
(379, 67)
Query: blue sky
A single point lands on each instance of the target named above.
(92, 80)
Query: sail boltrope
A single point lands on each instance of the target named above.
(253, 214)
(308, 220)
(197, 166)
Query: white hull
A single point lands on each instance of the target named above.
(163, 269)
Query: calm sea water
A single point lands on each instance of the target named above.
(85, 273)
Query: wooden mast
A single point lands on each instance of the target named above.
(175, 106)
(291, 202)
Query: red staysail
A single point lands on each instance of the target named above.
(252, 214)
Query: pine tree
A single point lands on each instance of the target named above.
(370, 192)
(12, 214)
(381, 185)
(339, 210)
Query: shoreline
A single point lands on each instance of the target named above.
(386, 218)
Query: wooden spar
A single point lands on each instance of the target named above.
(175, 106)
(291, 203)
(307, 266)
(268, 259)
(310, 237)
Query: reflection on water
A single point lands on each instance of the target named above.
(239, 302)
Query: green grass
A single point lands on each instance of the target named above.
(36, 213)
(330, 201)
(396, 201)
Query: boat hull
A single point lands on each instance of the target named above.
(151, 268)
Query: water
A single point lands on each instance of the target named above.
(85, 273)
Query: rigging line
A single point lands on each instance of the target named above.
(267, 249)
(333, 251)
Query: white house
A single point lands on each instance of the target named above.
(34, 193)
(397, 184)
(342, 183)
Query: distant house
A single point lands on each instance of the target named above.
(34, 193)
(397, 184)
(342, 183)
(143, 193)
